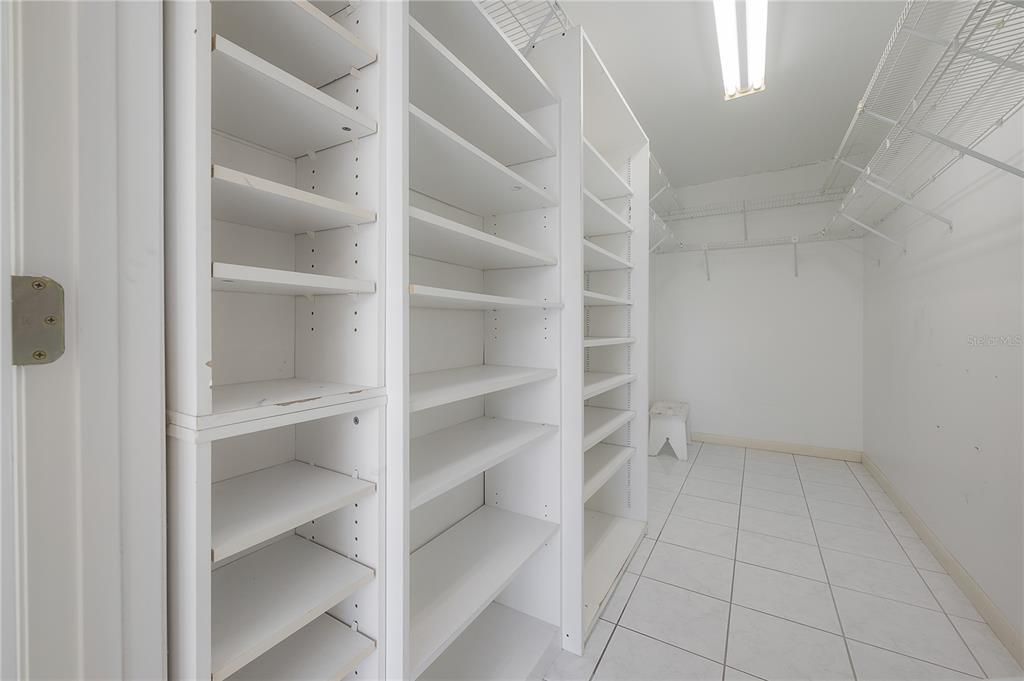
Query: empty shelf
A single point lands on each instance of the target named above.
(608, 122)
(597, 259)
(599, 423)
(238, 402)
(432, 236)
(608, 544)
(294, 36)
(265, 597)
(593, 299)
(434, 388)
(249, 200)
(259, 103)
(245, 279)
(599, 178)
(600, 463)
(595, 383)
(451, 299)
(502, 644)
(455, 576)
(258, 506)
(605, 341)
(449, 457)
(323, 649)
(471, 35)
(446, 89)
(599, 219)
(446, 167)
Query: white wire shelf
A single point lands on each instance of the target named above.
(527, 23)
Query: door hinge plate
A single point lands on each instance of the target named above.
(37, 320)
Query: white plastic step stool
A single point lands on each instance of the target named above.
(668, 424)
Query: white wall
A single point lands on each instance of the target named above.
(757, 352)
(942, 416)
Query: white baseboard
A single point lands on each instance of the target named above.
(1001, 626)
(773, 446)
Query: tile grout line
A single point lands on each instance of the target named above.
(735, 554)
(920, 576)
(824, 567)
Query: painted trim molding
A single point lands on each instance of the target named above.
(773, 446)
(1001, 626)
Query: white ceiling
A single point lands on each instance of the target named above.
(664, 57)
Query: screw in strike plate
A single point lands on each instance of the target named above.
(38, 284)
(50, 320)
(39, 355)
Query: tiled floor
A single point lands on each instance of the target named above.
(780, 567)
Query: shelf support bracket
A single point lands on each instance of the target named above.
(707, 265)
(746, 236)
(966, 151)
(872, 230)
(979, 54)
(796, 262)
(866, 173)
(658, 193)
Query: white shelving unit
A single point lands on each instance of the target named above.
(485, 308)
(276, 310)
(604, 477)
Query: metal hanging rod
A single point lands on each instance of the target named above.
(781, 201)
(816, 237)
(866, 177)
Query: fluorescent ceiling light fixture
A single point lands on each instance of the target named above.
(728, 45)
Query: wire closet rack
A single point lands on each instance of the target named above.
(526, 23)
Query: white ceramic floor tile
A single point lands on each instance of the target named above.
(722, 455)
(917, 632)
(659, 500)
(769, 457)
(774, 501)
(617, 602)
(697, 534)
(691, 621)
(847, 514)
(817, 463)
(636, 564)
(655, 521)
(920, 555)
(570, 667)
(708, 510)
(736, 675)
(777, 649)
(709, 489)
(881, 545)
(670, 465)
(898, 524)
(990, 653)
(858, 469)
(781, 554)
(875, 664)
(670, 482)
(703, 471)
(772, 468)
(868, 482)
(841, 477)
(694, 570)
(631, 656)
(794, 598)
(773, 483)
(775, 524)
(949, 595)
(878, 577)
(881, 500)
(837, 493)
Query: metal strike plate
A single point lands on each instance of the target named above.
(37, 320)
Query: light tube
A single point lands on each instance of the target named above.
(728, 45)
(757, 42)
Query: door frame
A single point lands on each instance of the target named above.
(121, 576)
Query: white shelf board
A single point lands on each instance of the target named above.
(445, 88)
(325, 649)
(449, 457)
(502, 644)
(600, 422)
(456, 575)
(606, 341)
(600, 220)
(265, 597)
(294, 36)
(249, 200)
(437, 238)
(608, 122)
(608, 544)
(246, 279)
(600, 463)
(239, 402)
(596, 383)
(252, 508)
(593, 299)
(597, 259)
(599, 178)
(255, 101)
(452, 299)
(467, 30)
(446, 167)
(434, 388)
